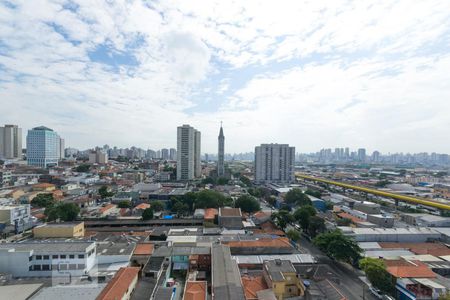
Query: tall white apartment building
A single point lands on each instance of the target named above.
(274, 163)
(188, 153)
(10, 142)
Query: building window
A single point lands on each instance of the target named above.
(81, 266)
(62, 256)
(38, 257)
(63, 266)
(30, 268)
(55, 256)
(30, 258)
(71, 256)
(72, 267)
(46, 257)
(37, 267)
(80, 255)
(45, 267)
(54, 267)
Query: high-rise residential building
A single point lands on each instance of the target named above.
(188, 153)
(173, 154)
(221, 154)
(347, 152)
(362, 154)
(98, 157)
(61, 148)
(274, 163)
(165, 153)
(376, 156)
(10, 142)
(42, 147)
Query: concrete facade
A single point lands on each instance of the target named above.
(274, 163)
(188, 153)
(10, 142)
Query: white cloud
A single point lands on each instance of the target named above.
(311, 73)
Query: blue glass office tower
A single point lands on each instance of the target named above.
(43, 146)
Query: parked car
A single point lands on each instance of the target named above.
(376, 292)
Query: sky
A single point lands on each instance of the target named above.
(314, 74)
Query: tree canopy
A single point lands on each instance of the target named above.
(314, 193)
(282, 218)
(83, 168)
(375, 270)
(303, 214)
(124, 204)
(147, 214)
(211, 199)
(316, 225)
(247, 204)
(104, 192)
(157, 206)
(43, 200)
(293, 235)
(63, 211)
(297, 197)
(338, 246)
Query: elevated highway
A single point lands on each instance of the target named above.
(396, 197)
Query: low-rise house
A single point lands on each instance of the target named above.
(121, 286)
(281, 277)
(230, 218)
(195, 290)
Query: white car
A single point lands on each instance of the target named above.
(376, 292)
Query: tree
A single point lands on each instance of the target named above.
(63, 211)
(83, 168)
(211, 199)
(314, 193)
(104, 192)
(43, 200)
(245, 180)
(375, 270)
(124, 204)
(272, 200)
(180, 208)
(247, 204)
(147, 214)
(445, 296)
(316, 225)
(338, 246)
(303, 214)
(222, 181)
(208, 180)
(157, 206)
(282, 218)
(293, 235)
(297, 197)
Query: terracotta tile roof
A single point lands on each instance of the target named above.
(107, 207)
(43, 185)
(280, 242)
(195, 290)
(143, 249)
(435, 249)
(261, 214)
(409, 269)
(119, 284)
(252, 285)
(354, 219)
(210, 213)
(143, 206)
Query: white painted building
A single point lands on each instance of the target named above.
(47, 259)
(274, 163)
(188, 153)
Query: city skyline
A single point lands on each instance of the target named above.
(313, 75)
